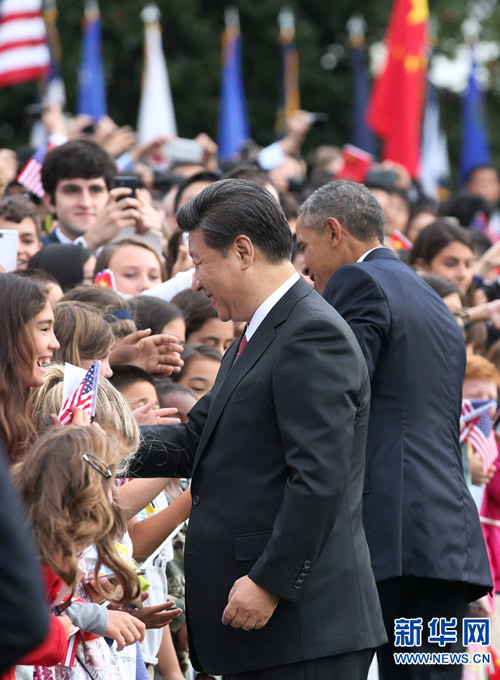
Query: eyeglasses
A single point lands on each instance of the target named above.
(98, 464)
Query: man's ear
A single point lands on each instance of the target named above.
(47, 199)
(335, 234)
(244, 250)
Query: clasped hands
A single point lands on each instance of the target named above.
(249, 606)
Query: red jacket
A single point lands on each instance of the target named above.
(53, 649)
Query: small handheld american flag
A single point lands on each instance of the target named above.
(31, 175)
(477, 429)
(84, 396)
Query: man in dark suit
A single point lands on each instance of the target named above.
(24, 615)
(422, 527)
(278, 576)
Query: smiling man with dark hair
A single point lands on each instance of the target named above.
(278, 578)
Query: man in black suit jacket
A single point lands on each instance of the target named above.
(426, 545)
(24, 616)
(278, 576)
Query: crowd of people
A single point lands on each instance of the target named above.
(290, 500)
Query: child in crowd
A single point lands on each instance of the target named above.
(173, 395)
(110, 304)
(84, 336)
(481, 384)
(159, 315)
(203, 326)
(150, 528)
(27, 344)
(201, 365)
(114, 415)
(66, 483)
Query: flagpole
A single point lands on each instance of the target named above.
(361, 135)
(290, 94)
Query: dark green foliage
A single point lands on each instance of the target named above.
(192, 30)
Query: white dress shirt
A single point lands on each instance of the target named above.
(264, 309)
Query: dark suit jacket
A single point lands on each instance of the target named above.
(276, 453)
(24, 616)
(47, 239)
(419, 516)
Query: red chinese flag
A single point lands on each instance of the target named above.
(397, 100)
(356, 164)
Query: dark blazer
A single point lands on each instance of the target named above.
(419, 516)
(276, 455)
(24, 616)
(47, 239)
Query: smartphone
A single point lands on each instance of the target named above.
(129, 181)
(182, 150)
(8, 249)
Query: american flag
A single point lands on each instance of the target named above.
(31, 175)
(24, 54)
(477, 429)
(83, 397)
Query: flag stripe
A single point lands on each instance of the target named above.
(26, 29)
(13, 7)
(24, 54)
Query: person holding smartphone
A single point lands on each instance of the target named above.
(78, 178)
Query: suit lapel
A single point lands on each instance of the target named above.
(231, 375)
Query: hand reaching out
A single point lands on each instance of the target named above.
(124, 628)
(157, 354)
(148, 415)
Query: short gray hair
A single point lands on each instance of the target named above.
(352, 204)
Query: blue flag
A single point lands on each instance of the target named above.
(475, 146)
(233, 120)
(91, 86)
(361, 135)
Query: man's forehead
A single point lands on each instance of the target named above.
(82, 181)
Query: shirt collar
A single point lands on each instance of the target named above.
(365, 255)
(264, 309)
(62, 237)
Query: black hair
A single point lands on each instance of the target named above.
(203, 176)
(476, 168)
(125, 375)
(167, 385)
(250, 172)
(435, 237)
(64, 261)
(152, 312)
(465, 206)
(233, 207)
(78, 158)
(196, 308)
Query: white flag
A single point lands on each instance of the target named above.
(156, 109)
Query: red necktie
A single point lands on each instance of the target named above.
(243, 344)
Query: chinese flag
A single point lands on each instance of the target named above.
(397, 100)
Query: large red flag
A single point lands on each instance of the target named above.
(396, 105)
